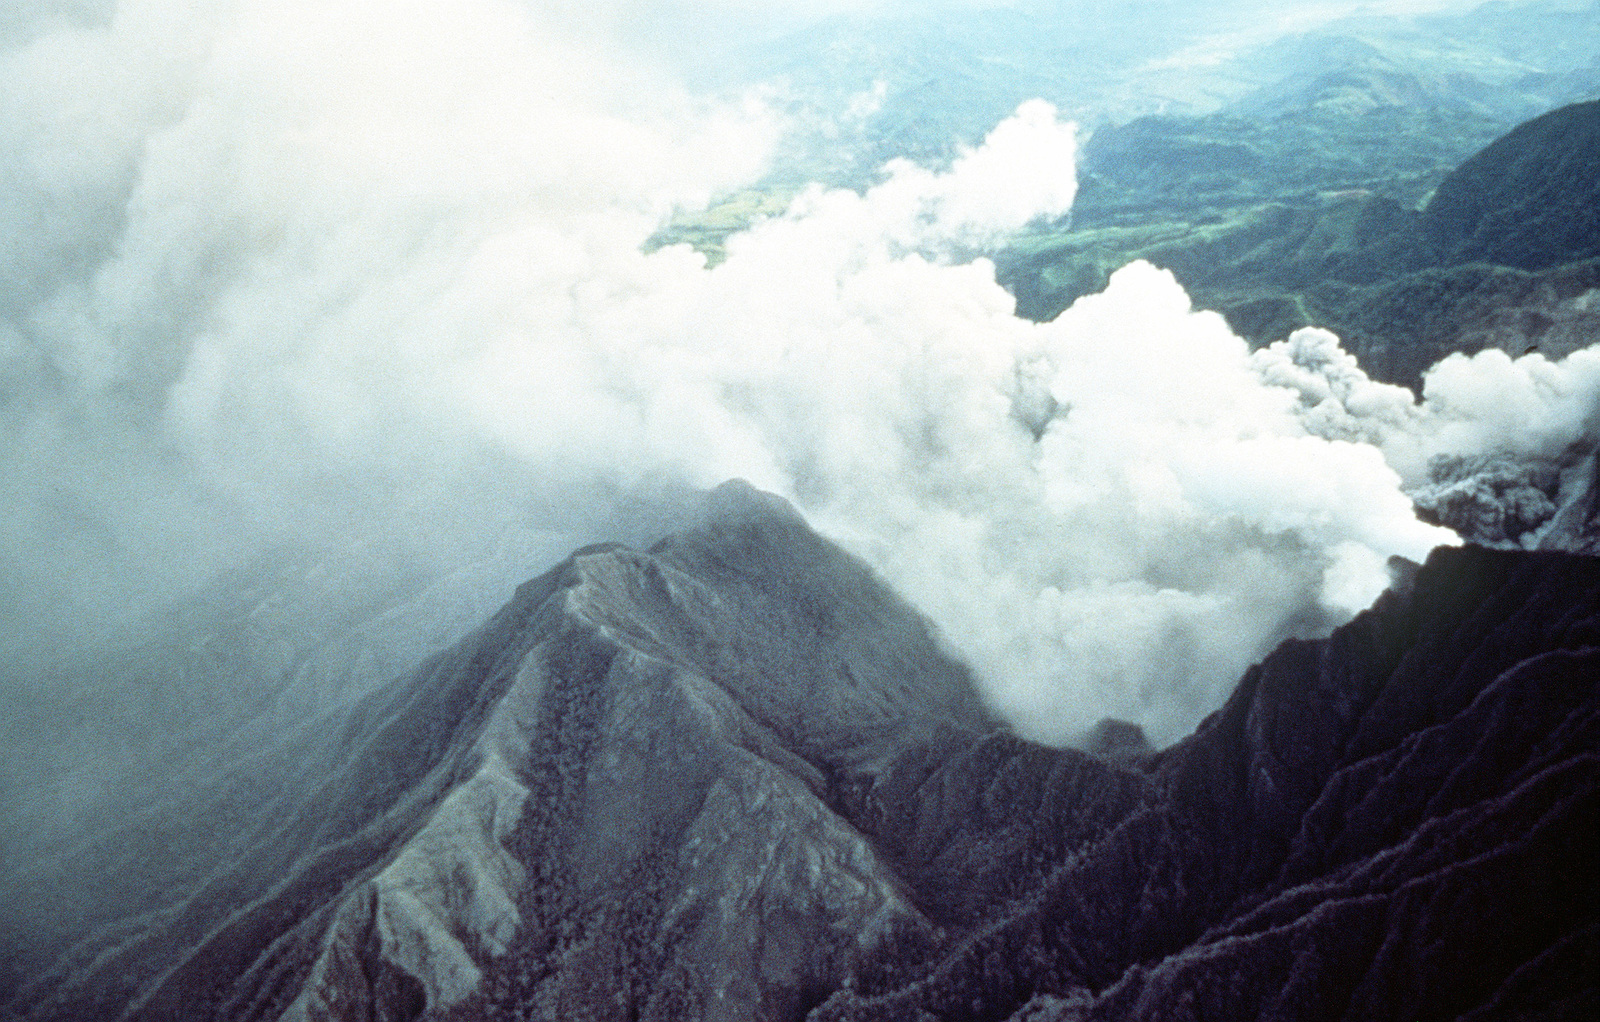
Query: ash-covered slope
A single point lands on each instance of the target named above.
(735, 778)
(612, 798)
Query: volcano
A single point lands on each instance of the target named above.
(735, 776)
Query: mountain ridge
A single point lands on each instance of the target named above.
(734, 776)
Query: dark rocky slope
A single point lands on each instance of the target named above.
(1397, 822)
(735, 778)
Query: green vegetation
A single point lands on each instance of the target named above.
(1306, 220)
(1499, 257)
(1530, 200)
(1200, 169)
(707, 231)
(1295, 186)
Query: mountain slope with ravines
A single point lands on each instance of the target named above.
(731, 775)
(735, 777)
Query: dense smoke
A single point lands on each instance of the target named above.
(315, 273)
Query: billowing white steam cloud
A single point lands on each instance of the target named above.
(310, 265)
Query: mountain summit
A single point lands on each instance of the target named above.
(735, 777)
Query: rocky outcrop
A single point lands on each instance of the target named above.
(734, 777)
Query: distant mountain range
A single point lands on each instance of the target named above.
(1287, 180)
(1503, 254)
(946, 80)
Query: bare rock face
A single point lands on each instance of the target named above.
(734, 777)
